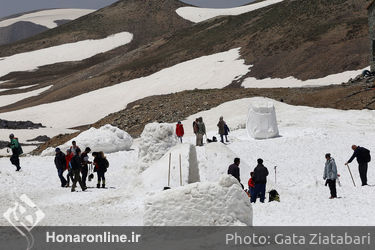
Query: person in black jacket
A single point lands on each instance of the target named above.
(60, 163)
(85, 167)
(76, 165)
(260, 180)
(234, 169)
(363, 158)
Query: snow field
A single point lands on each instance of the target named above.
(196, 14)
(306, 134)
(200, 204)
(47, 18)
(10, 99)
(62, 53)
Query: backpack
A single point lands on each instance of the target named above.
(273, 196)
(20, 151)
(366, 155)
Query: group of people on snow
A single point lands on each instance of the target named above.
(258, 177)
(78, 166)
(257, 182)
(199, 129)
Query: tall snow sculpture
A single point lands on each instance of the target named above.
(261, 121)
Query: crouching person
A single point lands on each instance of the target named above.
(76, 165)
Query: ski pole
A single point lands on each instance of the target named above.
(275, 173)
(169, 170)
(180, 172)
(351, 174)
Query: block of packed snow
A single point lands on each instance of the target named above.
(261, 121)
(221, 203)
(214, 160)
(108, 139)
(155, 176)
(156, 140)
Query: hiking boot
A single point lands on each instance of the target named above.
(332, 197)
(84, 188)
(18, 168)
(73, 190)
(98, 185)
(103, 185)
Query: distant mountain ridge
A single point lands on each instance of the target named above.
(21, 26)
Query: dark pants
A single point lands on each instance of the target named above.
(62, 179)
(77, 178)
(15, 160)
(259, 189)
(84, 175)
(101, 176)
(222, 138)
(180, 137)
(69, 177)
(362, 167)
(332, 187)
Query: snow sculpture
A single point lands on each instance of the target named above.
(261, 121)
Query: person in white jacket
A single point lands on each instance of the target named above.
(330, 175)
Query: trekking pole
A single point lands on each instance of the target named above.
(351, 174)
(275, 173)
(169, 170)
(180, 171)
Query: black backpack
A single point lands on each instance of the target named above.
(367, 155)
(273, 196)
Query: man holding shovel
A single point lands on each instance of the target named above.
(363, 158)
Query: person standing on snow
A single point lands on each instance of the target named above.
(76, 166)
(363, 158)
(251, 184)
(85, 167)
(330, 175)
(195, 130)
(201, 131)
(74, 148)
(179, 130)
(260, 180)
(60, 163)
(16, 148)
(223, 129)
(234, 169)
(101, 164)
(68, 157)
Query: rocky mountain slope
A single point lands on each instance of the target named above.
(305, 39)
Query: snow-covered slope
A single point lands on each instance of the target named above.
(306, 135)
(196, 14)
(9, 99)
(47, 18)
(214, 71)
(63, 53)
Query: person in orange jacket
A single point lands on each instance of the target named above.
(179, 130)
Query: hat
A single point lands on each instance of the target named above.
(57, 150)
(11, 136)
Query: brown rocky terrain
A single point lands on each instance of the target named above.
(305, 39)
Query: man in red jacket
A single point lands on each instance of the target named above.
(179, 130)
